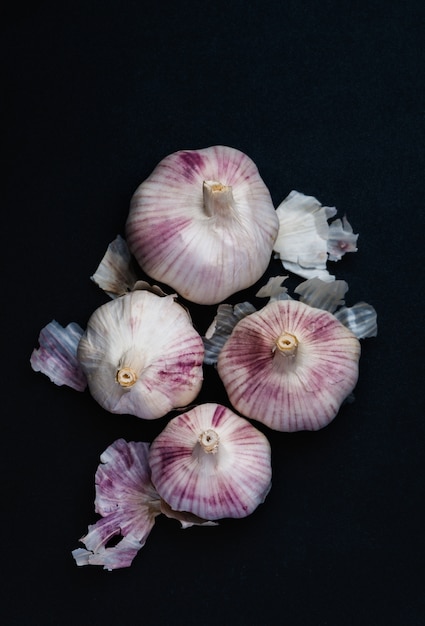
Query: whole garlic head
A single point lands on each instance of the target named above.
(141, 355)
(204, 223)
(289, 366)
(211, 462)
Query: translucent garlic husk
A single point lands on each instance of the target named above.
(306, 241)
(221, 327)
(211, 462)
(289, 366)
(141, 355)
(204, 223)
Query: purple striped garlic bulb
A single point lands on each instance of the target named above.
(204, 223)
(141, 355)
(211, 462)
(289, 366)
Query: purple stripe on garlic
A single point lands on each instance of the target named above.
(289, 366)
(204, 223)
(211, 462)
(141, 355)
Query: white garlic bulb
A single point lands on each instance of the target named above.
(141, 355)
(204, 223)
(289, 366)
(211, 462)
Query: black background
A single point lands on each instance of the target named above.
(327, 98)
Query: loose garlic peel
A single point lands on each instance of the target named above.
(141, 355)
(302, 392)
(203, 223)
(212, 463)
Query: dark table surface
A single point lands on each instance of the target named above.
(327, 98)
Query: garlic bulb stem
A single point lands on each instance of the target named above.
(287, 344)
(218, 198)
(126, 377)
(209, 441)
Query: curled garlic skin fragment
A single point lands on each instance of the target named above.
(221, 327)
(57, 355)
(289, 366)
(115, 274)
(361, 319)
(306, 241)
(322, 295)
(141, 355)
(341, 239)
(274, 289)
(212, 463)
(204, 223)
(128, 504)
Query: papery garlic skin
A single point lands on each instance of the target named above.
(320, 294)
(341, 239)
(204, 223)
(115, 273)
(128, 504)
(303, 233)
(220, 329)
(289, 366)
(361, 319)
(141, 355)
(211, 462)
(306, 241)
(57, 355)
(274, 289)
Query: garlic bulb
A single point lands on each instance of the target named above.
(141, 355)
(211, 462)
(289, 366)
(204, 223)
